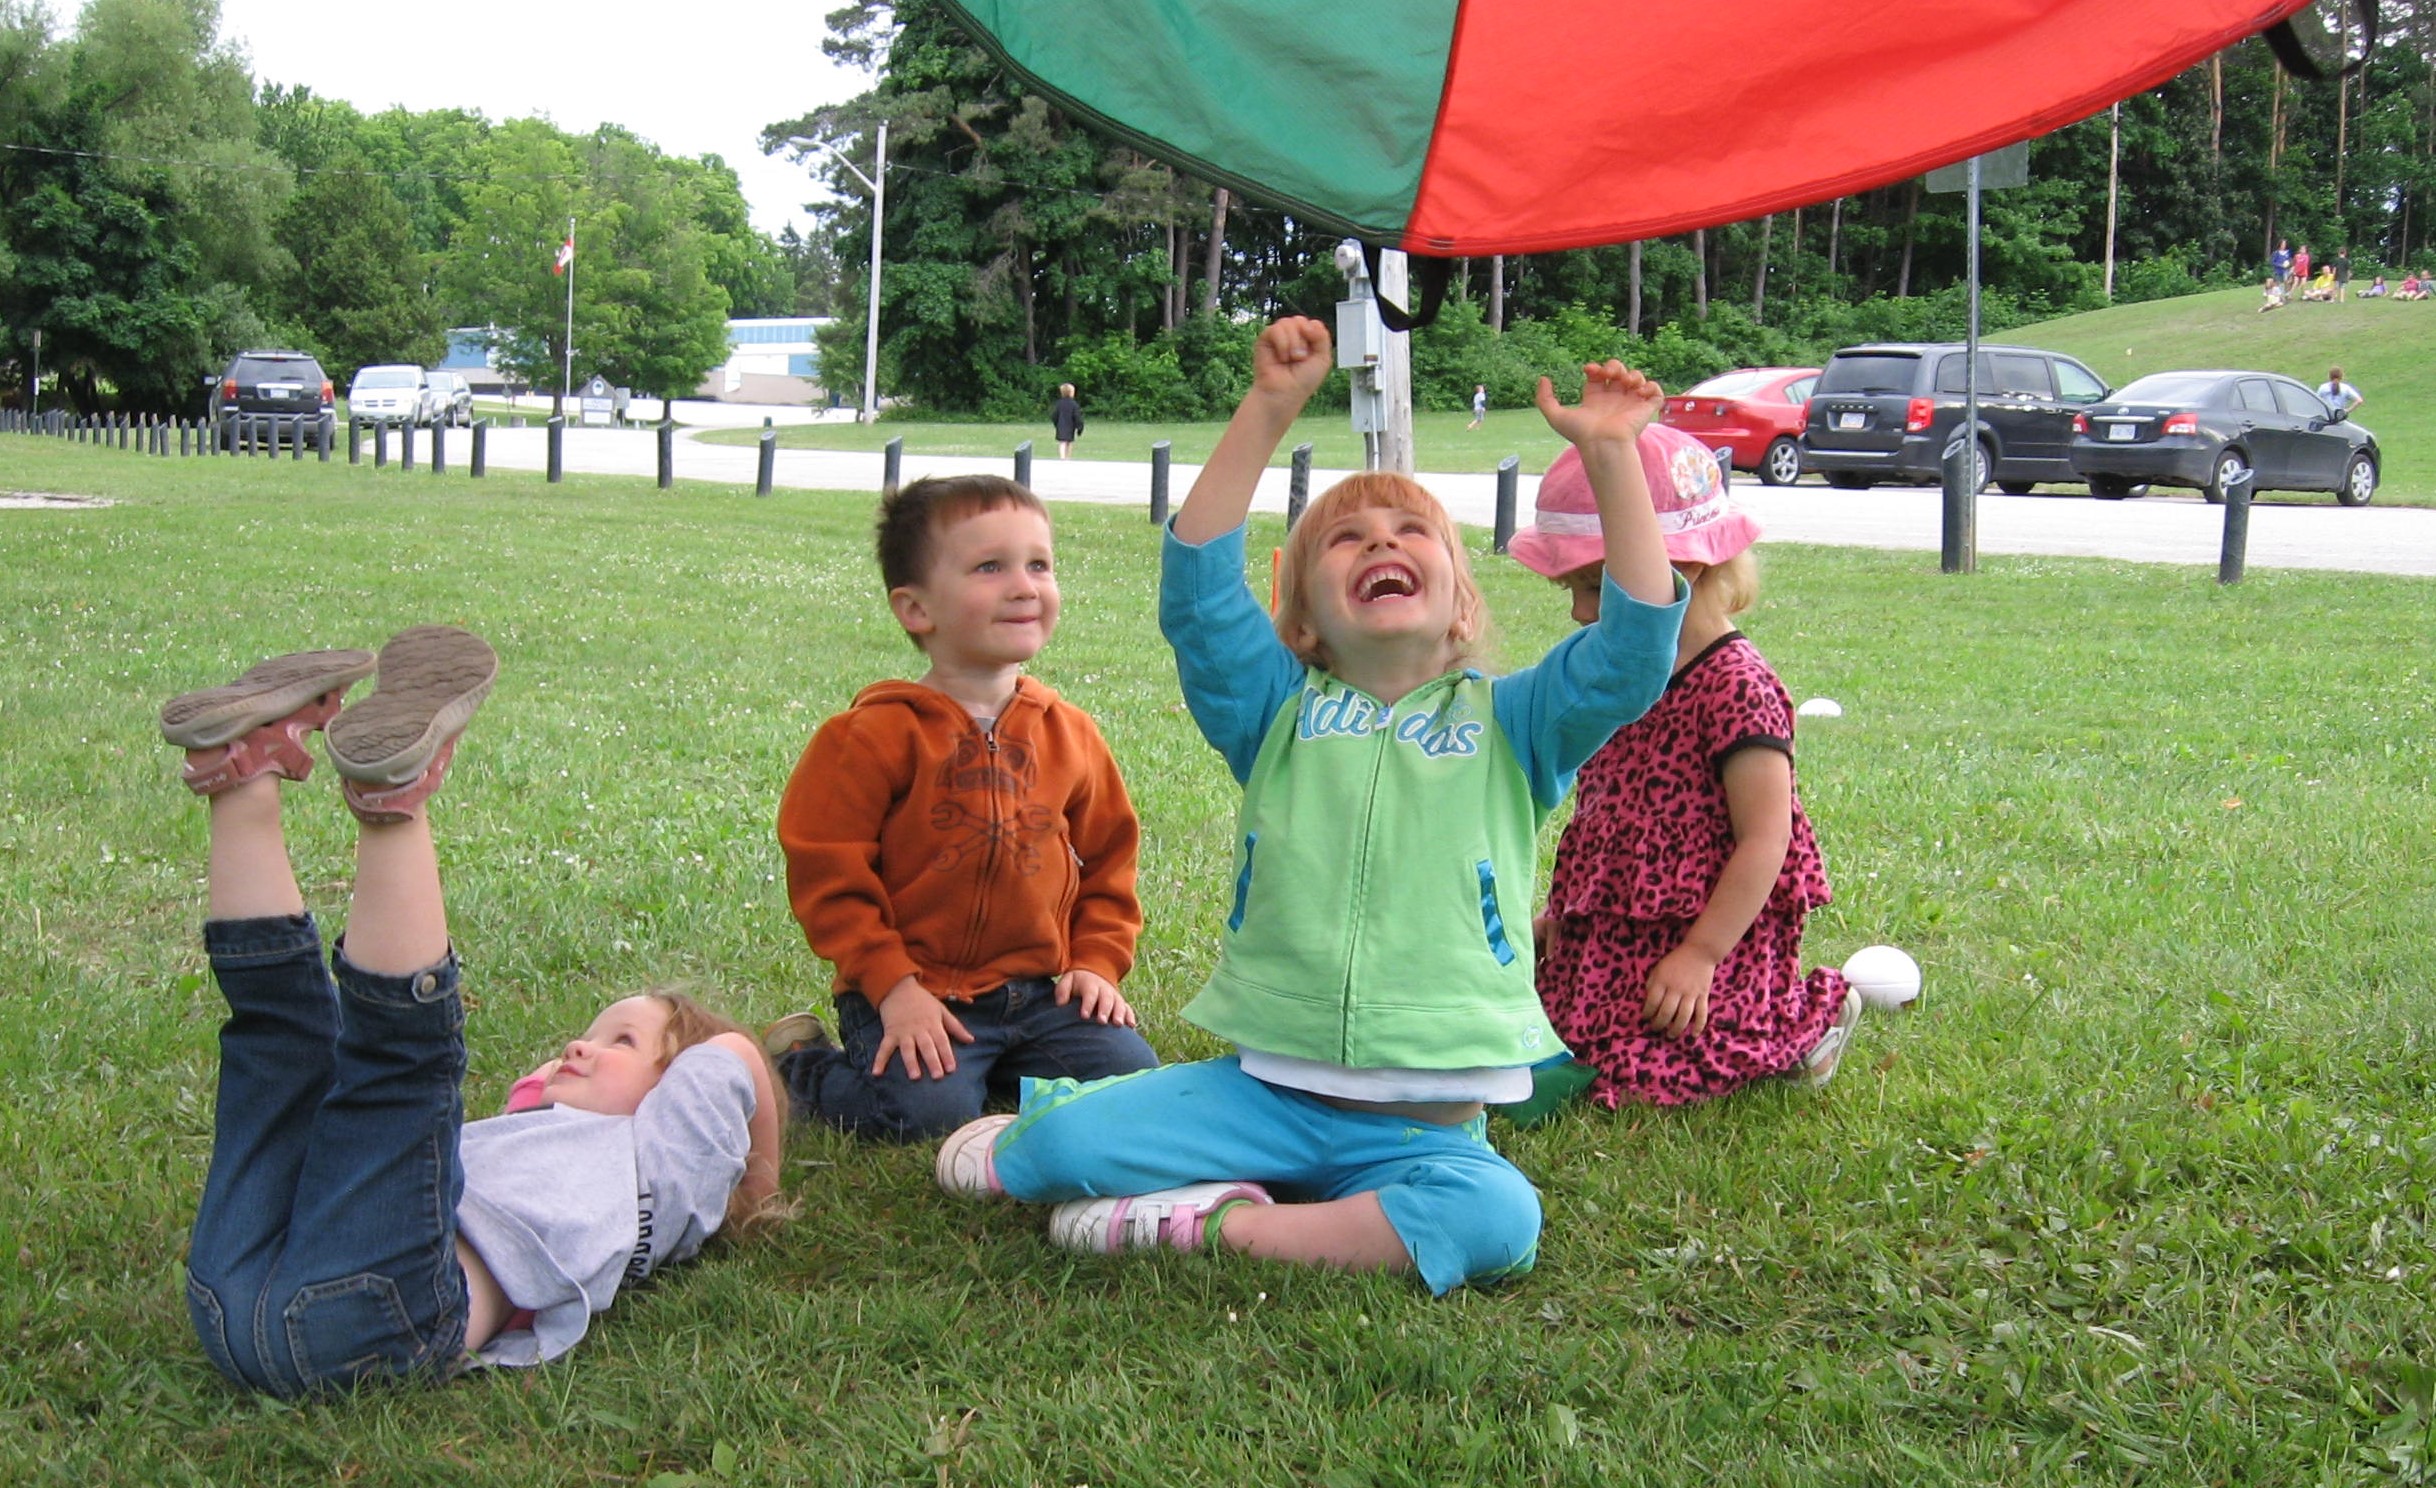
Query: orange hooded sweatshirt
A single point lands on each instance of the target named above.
(921, 844)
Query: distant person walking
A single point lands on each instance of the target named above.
(1066, 417)
(2279, 263)
(2340, 396)
(2300, 266)
(2342, 273)
(1480, 405)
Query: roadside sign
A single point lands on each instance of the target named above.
(595, 400)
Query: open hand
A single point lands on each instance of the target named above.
(1617, 404)
(918, 1025)
(1291, 358)
(1102, 1003)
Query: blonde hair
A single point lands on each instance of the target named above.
(690, 1023)
(1359, 493)
(1734, 584)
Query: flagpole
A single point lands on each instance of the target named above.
(566, 374)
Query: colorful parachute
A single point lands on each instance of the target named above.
(1453, 127)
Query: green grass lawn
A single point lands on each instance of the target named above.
(2139, 1193)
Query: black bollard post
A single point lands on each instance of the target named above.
(1959, 547)
(355, 441)
(558, 448)
(380, 446)
(323, 429)
(296, 432)
(667, 432)
(183, 435)
(2236, 551)
(1509, 488)
(406, 445)
(482, 436)
(1023, 464)
(439, 449)
(1158, 483)
(1725, 466)
(1298, 486)
(767, 466)
(892, 463)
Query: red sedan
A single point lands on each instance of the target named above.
(1756, 412)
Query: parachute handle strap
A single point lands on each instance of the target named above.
(2294, 54)
(1430, 274)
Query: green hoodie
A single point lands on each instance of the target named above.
(1387, 855)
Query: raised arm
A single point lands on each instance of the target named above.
(761, 1163)
(1288, 364)
(1617, 404)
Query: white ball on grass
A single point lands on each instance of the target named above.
(1820, 708)
(1885, 976)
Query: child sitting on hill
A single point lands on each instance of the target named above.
(353, 1226)
(1375, 970)
(960, 847)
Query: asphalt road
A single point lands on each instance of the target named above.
(2295, 532)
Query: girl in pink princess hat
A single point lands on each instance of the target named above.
(1670, 953)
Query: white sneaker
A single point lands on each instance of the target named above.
(1818, 1066)
(1172, 1218)
(967, 1165)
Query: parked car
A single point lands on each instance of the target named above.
(2204, 430)
(448, 399)
(1755, 413)
(278, 396)
(1884, 413)
(389, 395)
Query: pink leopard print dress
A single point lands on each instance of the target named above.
(1649, 837)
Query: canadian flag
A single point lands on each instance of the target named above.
(566, 255)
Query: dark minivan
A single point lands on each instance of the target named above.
(1884, 413)
(273, 398)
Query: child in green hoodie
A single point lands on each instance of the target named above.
(1376, 972)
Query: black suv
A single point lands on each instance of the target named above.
(1884, 413)
(282, 397)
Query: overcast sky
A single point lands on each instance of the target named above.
(694, 80)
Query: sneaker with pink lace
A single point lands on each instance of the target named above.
(257, 725)
(393, 747)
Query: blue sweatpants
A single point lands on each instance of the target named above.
(1464, 1213)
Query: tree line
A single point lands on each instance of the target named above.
(160, 210)
(1023, 250)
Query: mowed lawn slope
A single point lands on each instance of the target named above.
(2383, 345)
(2139, 1194)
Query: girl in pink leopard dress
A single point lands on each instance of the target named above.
(1670, 953)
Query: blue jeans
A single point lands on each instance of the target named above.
(325, 1249)
(1018, 1031)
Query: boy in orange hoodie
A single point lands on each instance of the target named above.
(960, 847)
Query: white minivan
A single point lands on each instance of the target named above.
(389, 395)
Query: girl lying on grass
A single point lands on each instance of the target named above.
(353, 1227)
(1375, 974)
